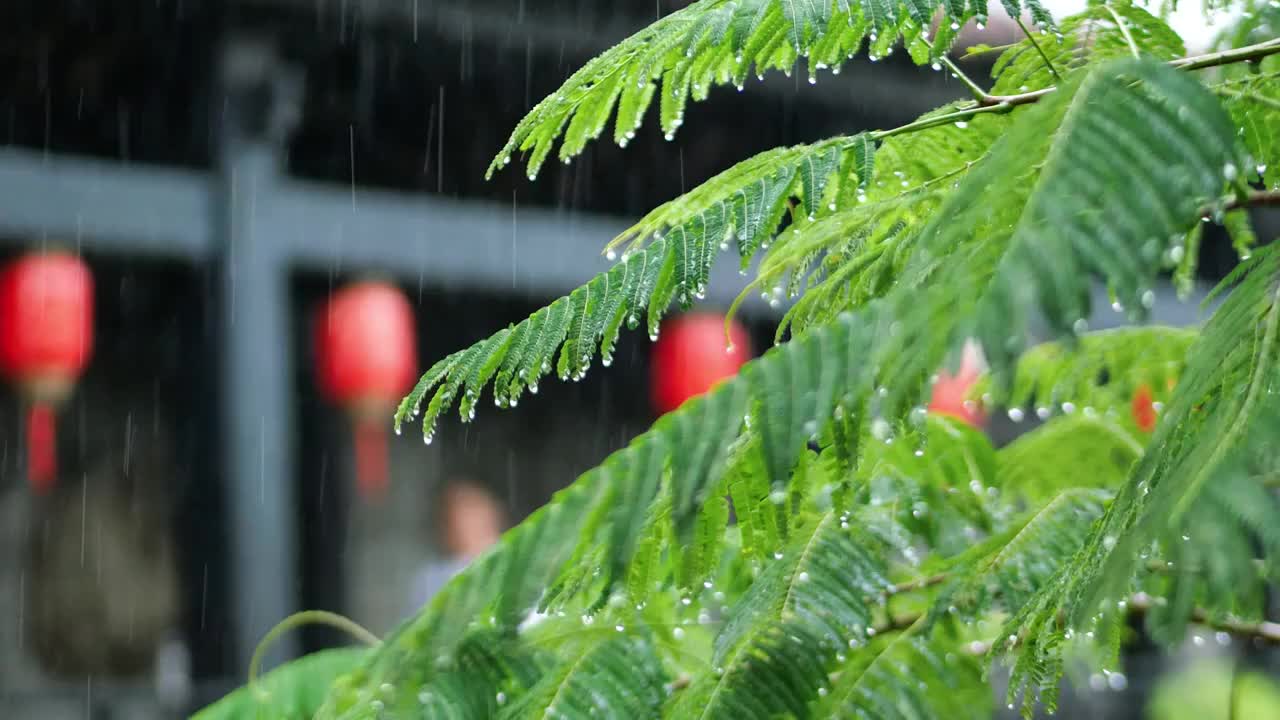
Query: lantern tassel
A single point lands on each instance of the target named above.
(371, 459)
(42, 447)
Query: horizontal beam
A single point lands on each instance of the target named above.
(450, 243)
(112, 208)
(104, 206)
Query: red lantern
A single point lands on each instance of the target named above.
(366, 359)
(1144, 408)
(46, 338)
(691, 356)
(951, 392)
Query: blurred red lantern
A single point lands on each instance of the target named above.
(1144, 408)
(951, 392)
(46, 338)
(691, 356)
(366, 359)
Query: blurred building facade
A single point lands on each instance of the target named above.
(223, 165)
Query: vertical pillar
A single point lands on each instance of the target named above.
(258, 423)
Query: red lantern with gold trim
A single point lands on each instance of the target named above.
(366, 360)
(46, 339)
(692, 355)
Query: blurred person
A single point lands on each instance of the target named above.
(468, 521)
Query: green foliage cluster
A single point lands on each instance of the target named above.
(807, 540)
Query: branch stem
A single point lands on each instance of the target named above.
(1227, 57)
(1124, 30)
(978, 93)
(1047, 62)
(985, 103)
(1266, 630)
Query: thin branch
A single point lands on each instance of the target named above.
(1266, 630)
(975, 88)
(1249, 96)
(306, 617)
(1140, 603)
(1047, 62)
(1257, 198)
(959, 116)
(1005, 103)
(978, 93)
(1227, 57)
(1124, 30)
(918, 584)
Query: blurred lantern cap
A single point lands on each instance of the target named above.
(691, 356)
(951, 391)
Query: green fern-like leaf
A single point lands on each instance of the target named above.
(669, 256)
(898, 680)
(1090, 37)
(1070, 451)
(1009, 241)
(292, 692)
(1012, 565)
(799, 614)
(1098, 372)
(1253, 99)
(719, 42)
(1221, 411)
(611, 675)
